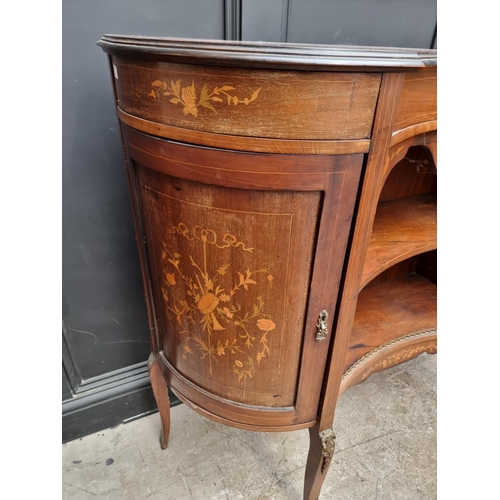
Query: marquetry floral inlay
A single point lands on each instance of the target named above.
(400, 357)
(187, 96)
(207, 302)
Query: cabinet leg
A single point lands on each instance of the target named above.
(321, 448)
(160, 390)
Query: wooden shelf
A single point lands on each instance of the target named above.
(402, 228)
(391, 310)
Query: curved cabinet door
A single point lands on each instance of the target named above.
(243, 253)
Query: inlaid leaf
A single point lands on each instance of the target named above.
(226, 88)
(254, 95)
(222, 269)
(204, 94)
(174, 100)
(176, 87)
(206, 104)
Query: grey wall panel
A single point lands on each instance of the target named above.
(66, 389)
(262, 20)
(402, 23)
(103, 302)
(108, 412)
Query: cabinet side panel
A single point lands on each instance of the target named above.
(418, 101)
(230, 271)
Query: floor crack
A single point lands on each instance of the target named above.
(367, 441)
(81, 489)
(223, 481)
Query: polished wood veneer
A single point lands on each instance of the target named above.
(284, 200)
(402, 228)
(239, 101)
(391, 310)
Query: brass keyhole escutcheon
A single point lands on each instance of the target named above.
(322, 327)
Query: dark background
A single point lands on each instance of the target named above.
(105, 330)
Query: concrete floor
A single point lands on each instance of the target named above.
(386, 449)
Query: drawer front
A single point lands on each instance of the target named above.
(247, 102)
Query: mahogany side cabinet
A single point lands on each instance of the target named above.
(284, 198)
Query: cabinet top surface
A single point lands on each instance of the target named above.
(269, 55)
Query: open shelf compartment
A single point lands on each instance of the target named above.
(402, 228)
(390, 310)
(395, 320)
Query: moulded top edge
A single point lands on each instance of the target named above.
(269, 54)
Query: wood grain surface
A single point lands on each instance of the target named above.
(390, 310)
(418, 101)
(377, 159)
(250, 103)
(402, 228)
(241, 143)
(390, 354)
(415, 174)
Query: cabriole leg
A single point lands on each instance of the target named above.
(321, 448)
(160, 390)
